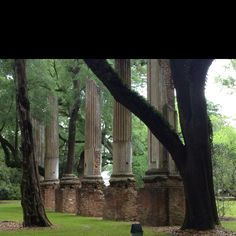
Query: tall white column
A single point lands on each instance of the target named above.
(170, 111)
(51, 162)
(122, 124)
(91, 197)
(157, 161)
(92, 161)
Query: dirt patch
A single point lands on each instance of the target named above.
(14, 226)
(10, 225)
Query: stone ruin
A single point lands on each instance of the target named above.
(159, 203)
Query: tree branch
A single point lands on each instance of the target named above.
(140, 107)
(9, 152)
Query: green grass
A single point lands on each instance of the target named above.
(230, 212)
(68, 224)
(231, 225)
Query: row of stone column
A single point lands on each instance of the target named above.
(160, 94)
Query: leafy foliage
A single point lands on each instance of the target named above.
(139, 142)
(227, 80)
(9, 181)
(224, 158)
(56, 76)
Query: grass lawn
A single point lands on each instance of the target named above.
(231, 212)
(68, 224)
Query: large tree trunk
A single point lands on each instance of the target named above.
(189, 79)
(31, 201)
(193, 159)
(72, 130)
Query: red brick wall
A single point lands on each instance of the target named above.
(157, 204)
(67, 199)
(121, 202)
(152, 206)
(49, 196)
(91, 199)
(176, 205)
(162, 202)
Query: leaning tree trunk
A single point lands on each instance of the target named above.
(31, 201)
(193, 159)
(72, 130)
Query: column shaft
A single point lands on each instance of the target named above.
(170, 112)
(52, 142)
(92, 162)
(122, 124)
(157, 161)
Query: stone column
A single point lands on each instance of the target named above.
(92, 162)
(157, 155)
(121, 195)
(169, 108)
(51, 162)
(91, 198)
(122, 124)
(163, 190)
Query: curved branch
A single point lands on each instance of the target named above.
(10, 153)
(140, 107)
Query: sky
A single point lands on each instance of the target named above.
(215, 93)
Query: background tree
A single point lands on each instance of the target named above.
(8, 116)
(224, 158)
(9, 181)
(140, 150)
(228, 80)
(57, 77)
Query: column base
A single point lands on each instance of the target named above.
(91, 197)
(69, 179)
(48, 190)
(92, 179)
(126, 178)
(162, 201)
(121, 201)
(49, 182)
(67, 194)
(154, 175)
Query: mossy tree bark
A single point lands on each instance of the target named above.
(193, 157)
(31, 201)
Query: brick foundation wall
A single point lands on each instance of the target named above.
(152, 206)
(67, 198)
(91, 199)
(162, 202)
(157, 204)
(121, 201)
(176, 205)
(49, 196)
